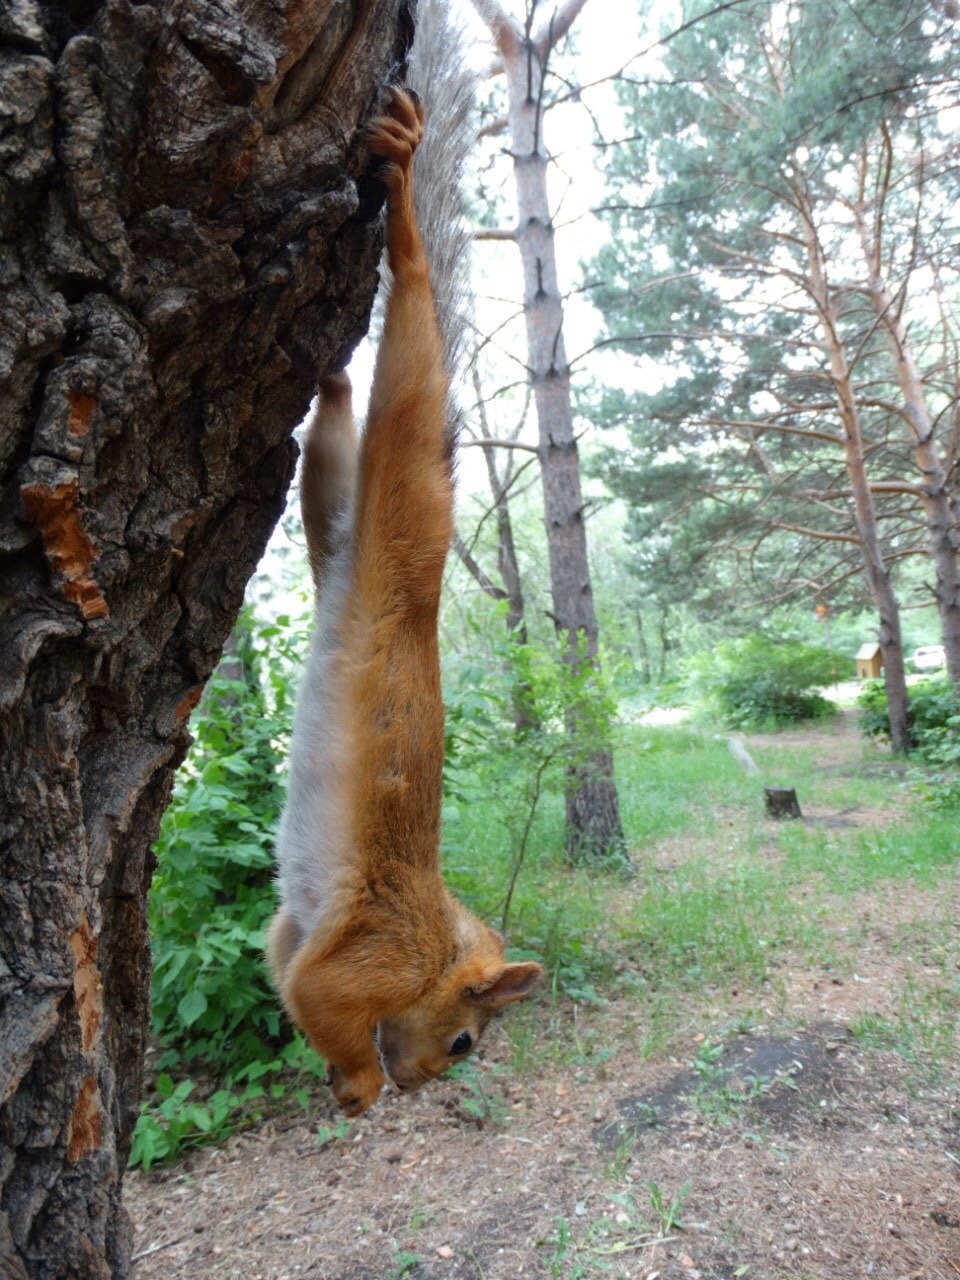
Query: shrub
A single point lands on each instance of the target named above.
(212, 893)
(872, 715)
(761, 680)
(933, 703)
(934, 730)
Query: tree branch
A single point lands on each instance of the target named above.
(500, 25)
(495, 233)
(486, 585)
(556, 27)
(499, 444)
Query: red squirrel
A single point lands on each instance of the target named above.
(380, 966)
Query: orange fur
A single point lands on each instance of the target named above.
(393, 952)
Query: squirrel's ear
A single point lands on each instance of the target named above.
(512, 982)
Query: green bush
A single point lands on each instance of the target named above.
(934, 730)
(872, 715)
(760, 680)
(213, 1012)
(212, 893)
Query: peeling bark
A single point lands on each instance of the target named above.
(188, 241)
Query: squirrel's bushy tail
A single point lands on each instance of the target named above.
(438, 73)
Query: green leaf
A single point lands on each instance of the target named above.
(192, 1006)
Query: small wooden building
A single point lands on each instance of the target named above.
(869, 662)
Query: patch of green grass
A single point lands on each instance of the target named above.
(618, 1234)
(697, 925)
(925, 1031)
(482, 1105)
(917, 849)
(405, 1263)
(673, 779)
(667, 1208)
(717, 918)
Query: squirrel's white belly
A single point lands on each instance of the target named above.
(312, 836)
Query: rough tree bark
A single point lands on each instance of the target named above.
(592, 807)
(187, 241)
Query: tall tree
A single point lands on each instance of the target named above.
(728, 266)
(871, 216)
(188, 239)
(592, 806)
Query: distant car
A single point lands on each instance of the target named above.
(929, 657)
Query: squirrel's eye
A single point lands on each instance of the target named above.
(463, 1044)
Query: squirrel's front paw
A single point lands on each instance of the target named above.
(357, 1092)
(396, 134)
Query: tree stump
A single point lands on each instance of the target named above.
(782, 802)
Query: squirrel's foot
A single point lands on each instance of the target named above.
(357, 1092)
(395, 136)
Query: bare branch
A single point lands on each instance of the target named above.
(494, 128)
(823, 534)
(499, 444)
(486, 585)
(495, 233)
(556, 27)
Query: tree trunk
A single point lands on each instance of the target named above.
(524, 712)
(943, 527)
(592, 808)
(666, 644)
(646, 674)
(187, 242)
(877, 574)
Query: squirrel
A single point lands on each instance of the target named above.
(375, 960)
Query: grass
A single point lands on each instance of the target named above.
(715, 901)
(732, 895)
(918, 849)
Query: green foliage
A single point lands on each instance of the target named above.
(934, 728)
(212, 893)
(872, 715)
(175, 1119)
(482, 1107)
(760, 680)
(211, 899)
(706, 241)
(179, 1121)
(667, 1210)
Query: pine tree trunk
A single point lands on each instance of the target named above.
(875, 570)
(592, 807)
(645, 673)
(939, 505)
(187, 241)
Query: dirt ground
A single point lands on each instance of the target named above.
(796, 1151)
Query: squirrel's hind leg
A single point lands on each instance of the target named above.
(328, 475)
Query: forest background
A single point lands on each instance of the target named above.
(754, 210)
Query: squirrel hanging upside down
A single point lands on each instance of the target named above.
(375, 960)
